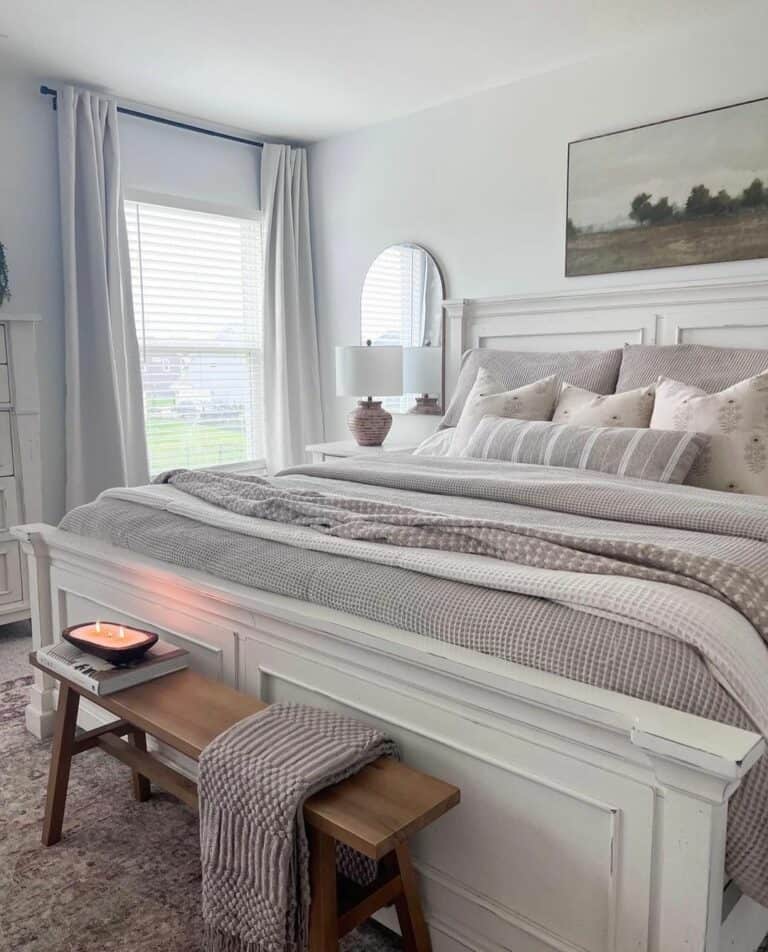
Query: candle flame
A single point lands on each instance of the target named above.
(98, 626)
(122, 632)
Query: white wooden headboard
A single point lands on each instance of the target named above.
(726, 313)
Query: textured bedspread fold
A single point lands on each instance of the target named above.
(604, 570)
(506, 538)
(253, 782)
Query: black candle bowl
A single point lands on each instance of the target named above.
(116, 654)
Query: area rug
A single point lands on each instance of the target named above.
(126, 875)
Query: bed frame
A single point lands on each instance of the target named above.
(590, 821)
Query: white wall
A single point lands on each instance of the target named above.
(481, 181)
(170, 161)
(29, 229)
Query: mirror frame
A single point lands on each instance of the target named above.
(441, 274)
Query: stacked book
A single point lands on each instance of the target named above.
(102, 677)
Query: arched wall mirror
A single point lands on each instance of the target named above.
(402, 304)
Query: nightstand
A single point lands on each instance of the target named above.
(318, 452)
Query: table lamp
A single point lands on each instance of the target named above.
(423, 373)
(369, 370)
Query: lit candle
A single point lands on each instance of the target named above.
(110, 640)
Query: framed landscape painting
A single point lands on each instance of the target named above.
(684, 191)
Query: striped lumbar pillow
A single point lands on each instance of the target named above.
(664, 456)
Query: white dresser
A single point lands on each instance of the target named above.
(20, 468)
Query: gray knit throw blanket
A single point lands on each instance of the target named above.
(253, 781)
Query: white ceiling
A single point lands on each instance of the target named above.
(307, 69)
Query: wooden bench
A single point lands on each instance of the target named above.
(375, 812)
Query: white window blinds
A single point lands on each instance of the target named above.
(393, 298)
(197, 286)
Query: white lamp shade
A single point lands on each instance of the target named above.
(423, 370)
(369, 371)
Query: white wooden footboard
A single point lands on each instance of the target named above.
(590, 821)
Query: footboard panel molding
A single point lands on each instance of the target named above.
(589, 822)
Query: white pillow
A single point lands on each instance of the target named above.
(632, 408)
(736, 419)
(438, 444)
(536, 401)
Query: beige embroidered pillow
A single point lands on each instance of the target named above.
(536, 401)
(737, 420)
(584, 408)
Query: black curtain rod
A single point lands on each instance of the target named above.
(47, 91)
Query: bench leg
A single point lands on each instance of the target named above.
(61, 758)
(142, 789)
(323, 912)
(408, 906)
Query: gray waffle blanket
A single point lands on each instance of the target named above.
(253, 781)
(655, 591)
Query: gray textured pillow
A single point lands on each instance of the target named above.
(663, 456)
(594, 370)
(710, 368)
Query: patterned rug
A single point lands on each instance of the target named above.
(126, 875)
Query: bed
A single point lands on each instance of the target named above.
(595, 816)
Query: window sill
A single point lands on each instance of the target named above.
(254, 467)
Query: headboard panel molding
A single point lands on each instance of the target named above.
(729, 312)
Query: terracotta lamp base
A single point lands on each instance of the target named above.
(425, 404)
(369, 423)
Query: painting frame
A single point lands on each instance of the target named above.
(569, 238)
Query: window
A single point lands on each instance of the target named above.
(197, 283)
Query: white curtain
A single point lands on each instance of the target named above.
(292, 400)
(106, 444)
